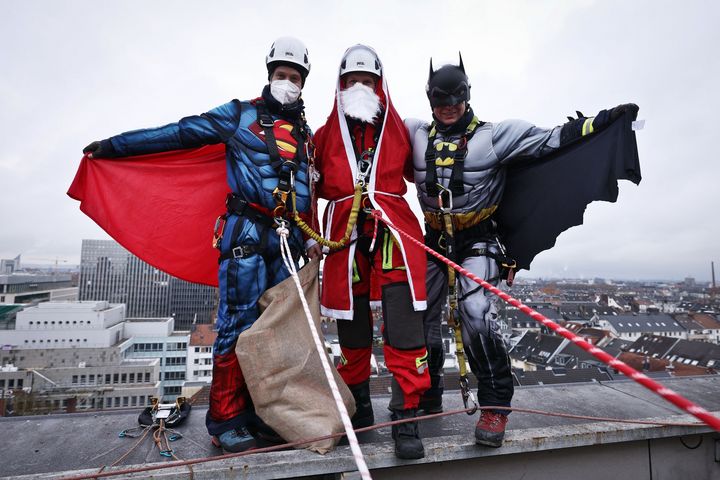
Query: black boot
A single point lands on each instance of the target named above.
(364, 416)
(407, 436)
(431, 400)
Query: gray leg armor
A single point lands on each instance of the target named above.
(484, 347)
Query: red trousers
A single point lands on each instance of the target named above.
(379, 276)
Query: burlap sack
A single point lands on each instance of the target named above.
(283, 370)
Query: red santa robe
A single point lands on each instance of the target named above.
(386, 187)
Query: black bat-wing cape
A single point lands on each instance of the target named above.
(546, 196)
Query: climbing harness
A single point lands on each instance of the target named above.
(445, 204)
(445, 155)
(158, 418)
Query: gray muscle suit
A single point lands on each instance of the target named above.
(491, 147)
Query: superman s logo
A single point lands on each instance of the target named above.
(282, 130)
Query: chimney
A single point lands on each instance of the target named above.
(712, 267)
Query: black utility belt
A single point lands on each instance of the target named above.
(242, 208)
(486, 228)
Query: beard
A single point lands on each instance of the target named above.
(360, 102)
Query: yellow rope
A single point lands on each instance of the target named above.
(352, 220)
(452, 304)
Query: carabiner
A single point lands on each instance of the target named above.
(363, 167)
(445, 207)
(219, 230)
(467, 395)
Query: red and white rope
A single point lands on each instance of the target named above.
(347, 424)
(666, 393)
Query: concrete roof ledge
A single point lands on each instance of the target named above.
(549, 447)
(300, 463)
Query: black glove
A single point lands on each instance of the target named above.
(617, 112)
(101, 149)
(93, 148)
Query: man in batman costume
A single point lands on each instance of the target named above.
(261, 149)
(493, 196)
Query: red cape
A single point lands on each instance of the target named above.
(161, 207)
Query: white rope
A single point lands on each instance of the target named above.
(352, 439)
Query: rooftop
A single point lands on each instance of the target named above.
(656, 322)
(59, 446)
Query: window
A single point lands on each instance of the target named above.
(132, 378)
(74, 379)
(197, 349)
(19, 382)
(126, 401)
(107, 378)
(147, 378)
(108, 402)
(175, 361)
(123, 378)
(83, 379)
(172, 390)
(116, 378)
(117, 402)
(133, 401)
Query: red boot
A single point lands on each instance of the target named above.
(490, 429)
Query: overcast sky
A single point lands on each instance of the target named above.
(78, 71)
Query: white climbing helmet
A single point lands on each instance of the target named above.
(288, 51)
(360, 58)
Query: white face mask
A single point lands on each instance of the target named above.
(361, 102)
(284, 91)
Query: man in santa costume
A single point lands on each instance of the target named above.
(364, 143)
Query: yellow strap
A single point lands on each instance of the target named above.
(587, 127)
(352, 220)
(387, 251)
(356, 273)
(452, 304)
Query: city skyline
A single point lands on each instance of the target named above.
(73, 82)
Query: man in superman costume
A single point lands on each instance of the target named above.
(494, 195)
(364, 146)
(181, 172)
